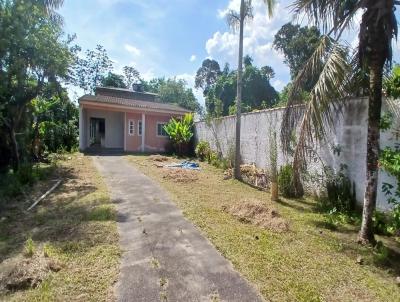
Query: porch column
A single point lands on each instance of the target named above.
(125, 131)
(143, 132)
(81, 129)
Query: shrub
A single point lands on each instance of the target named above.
(180, 133)
(213, 159)
(285, 182)
(29, 247)
(381, 223)
(340, 190)
(203, 150)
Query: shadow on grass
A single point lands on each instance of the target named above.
(299, 205)
(63, 221)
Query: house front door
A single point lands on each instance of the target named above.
(97, 131)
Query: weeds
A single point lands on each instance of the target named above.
(29, 247)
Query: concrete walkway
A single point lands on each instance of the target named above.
(165, 258)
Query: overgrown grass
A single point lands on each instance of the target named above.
(310, 262)
(75, 226)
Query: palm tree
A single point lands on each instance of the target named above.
(338, 79)
(237, 21)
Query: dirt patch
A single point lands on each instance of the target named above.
(23, 273)
(158, 158)
(257, 213)
(180, 175)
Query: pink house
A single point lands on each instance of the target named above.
(125, 120)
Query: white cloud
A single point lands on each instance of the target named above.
(234, 5)
(193, 58)
(258, 37)
(148, 74)
(132, 49)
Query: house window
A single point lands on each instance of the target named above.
(140, 128)
(131, 127)
(160, 129)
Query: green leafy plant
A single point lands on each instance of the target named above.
(392, 83)
(203, 150)
(285, 182)
(180, 131)
(29, 247)
(390, 162)
(340, 190)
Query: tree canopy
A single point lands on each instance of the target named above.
(297, 45)
(173, 91)
(257, 90)
(34, 53)
(207, 75)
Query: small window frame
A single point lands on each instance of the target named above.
(163, 134)
(131, 127)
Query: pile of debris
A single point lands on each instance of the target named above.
(23, 273)
(251, 175)
(258, 213)
(180, 175)
(158, 158)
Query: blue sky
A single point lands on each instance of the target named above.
(172, 37)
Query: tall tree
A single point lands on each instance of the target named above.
(113, 80)
(174, 91)
(207, 75)
(90, 71)
(131, 76)
(337, 78)
(236, 21)
(33, 53)
(257, 90)
(297, 44)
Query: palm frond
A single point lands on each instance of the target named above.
(330, 61)
(270, 6)
(330, 15)
(233, 17)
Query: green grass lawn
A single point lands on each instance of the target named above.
(310, 262)
(74, 227)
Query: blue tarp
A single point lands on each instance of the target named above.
(185, 165)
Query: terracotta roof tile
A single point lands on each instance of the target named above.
(132, 103)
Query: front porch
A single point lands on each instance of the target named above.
(104, 128)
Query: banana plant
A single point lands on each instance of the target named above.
(180, 131)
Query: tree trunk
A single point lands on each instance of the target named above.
(14, 148)
(237, 173)
(376, 48)
(366, 234)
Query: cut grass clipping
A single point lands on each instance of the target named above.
(257, 213)
(66, 248)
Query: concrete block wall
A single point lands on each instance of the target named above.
(349, 135)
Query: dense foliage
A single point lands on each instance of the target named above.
(285, 182)
(341, 196)
(203, 150)
(180, 132)
(173, 91)
(219, 87)
(35, 57)
(392, 83)
(297, 45)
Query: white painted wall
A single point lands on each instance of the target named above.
(349, 132)
(114, 124)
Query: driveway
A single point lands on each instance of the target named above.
(165, 258)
